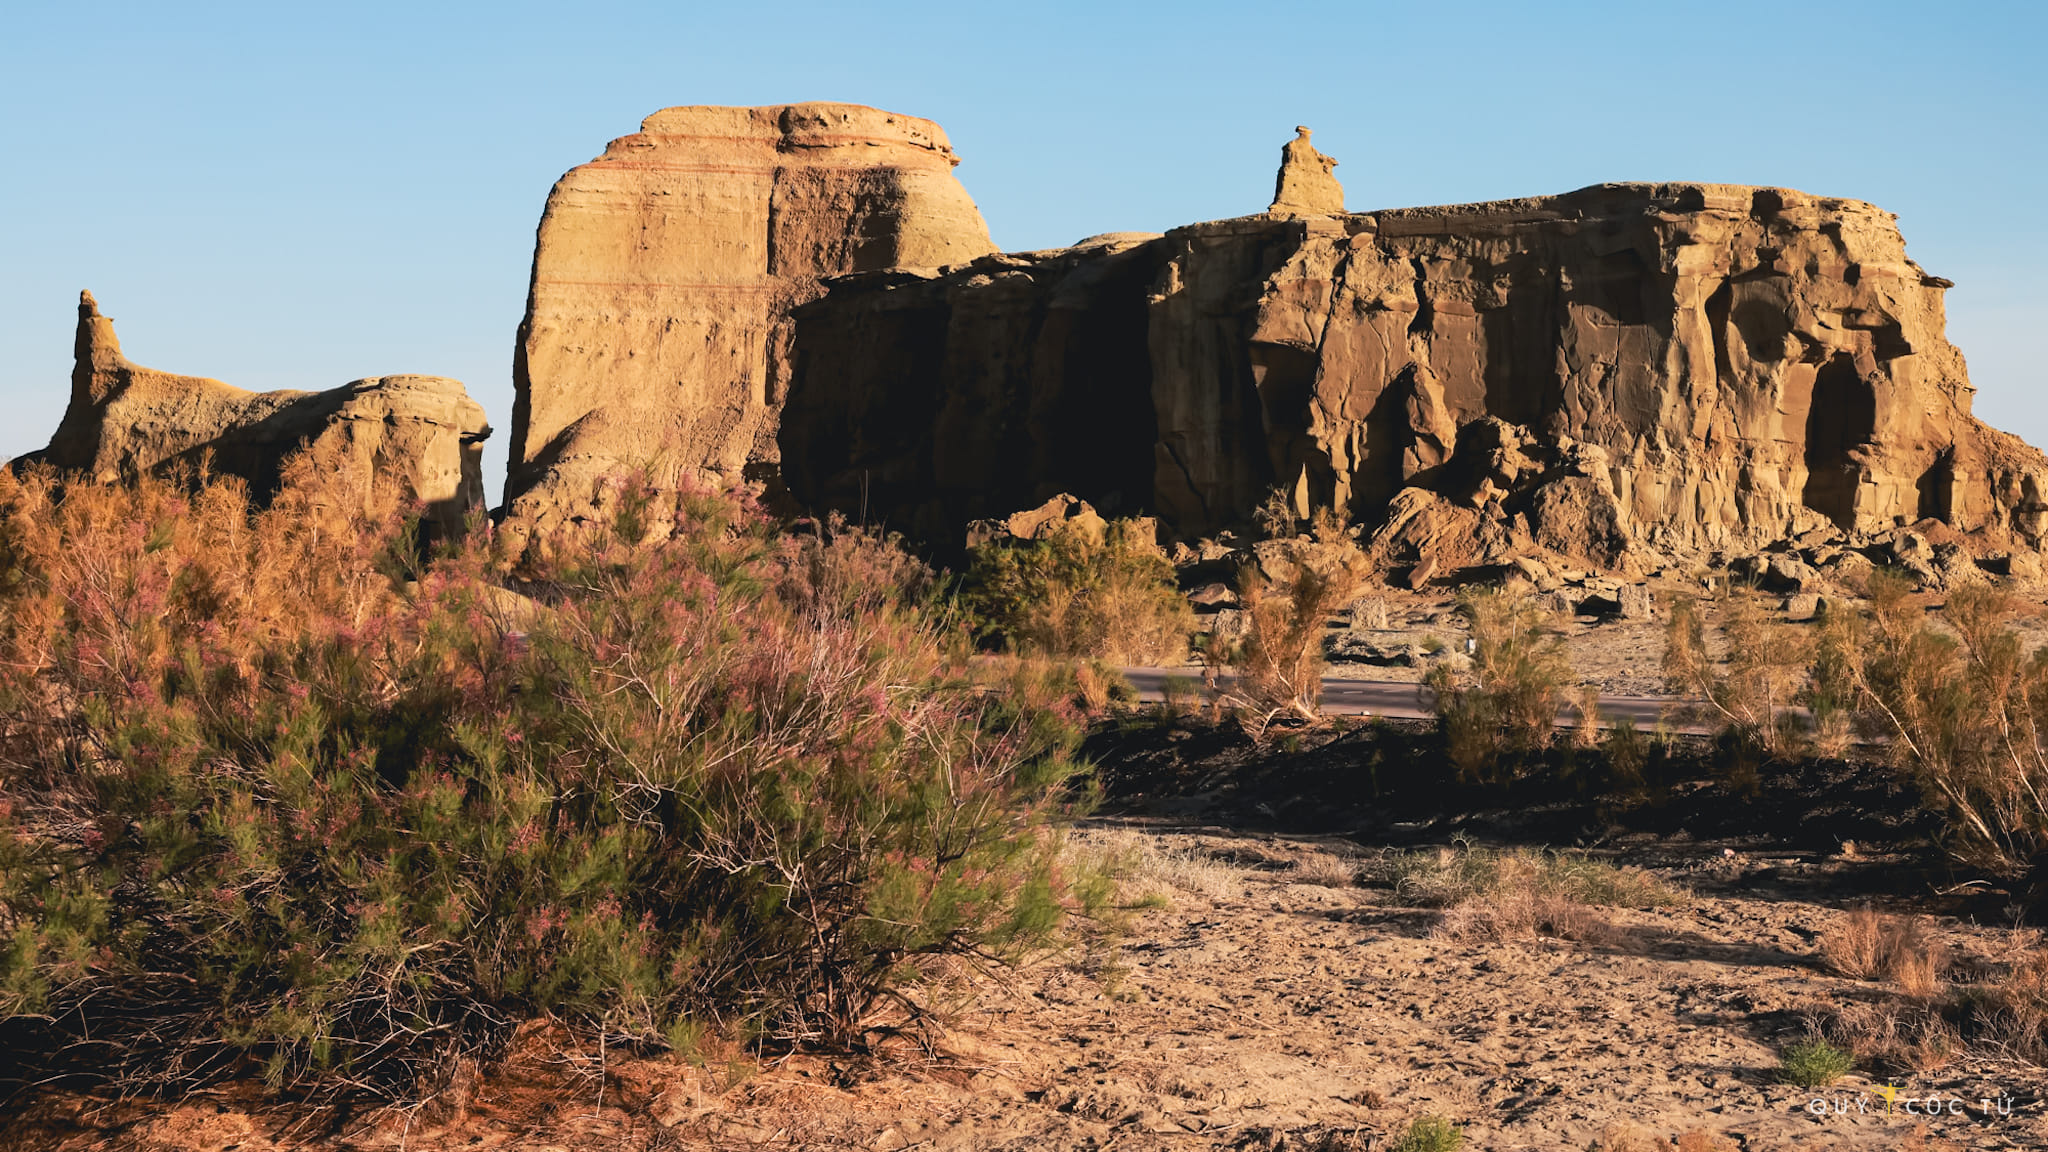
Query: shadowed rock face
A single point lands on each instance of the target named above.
(124, 419)
(664, 272)
(1621, 373)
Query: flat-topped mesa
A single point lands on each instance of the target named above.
(424, 432)
(1624, 374)
(656, 329)
(1306, 186)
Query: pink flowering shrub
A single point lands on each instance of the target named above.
(276, 793)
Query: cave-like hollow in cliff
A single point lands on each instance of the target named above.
(1841, 419)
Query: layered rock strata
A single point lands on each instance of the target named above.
(1621, 374)
(657, 322)
(423, 433)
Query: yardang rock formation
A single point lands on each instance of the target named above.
(123, 419)
(1622, 374)
(657, 323)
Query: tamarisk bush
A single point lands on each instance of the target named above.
(1965, 709)
(1075, 594)
(1502, 712)
(1288, 599)
(276, 794)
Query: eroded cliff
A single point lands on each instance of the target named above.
(656, 329)
(1622, 374)
(422, 432)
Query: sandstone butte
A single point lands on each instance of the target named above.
(657, 327)
(1624, 374)
(424, 432)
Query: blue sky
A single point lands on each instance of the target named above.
(285, 195)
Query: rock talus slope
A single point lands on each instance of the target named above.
(656, 329)
(1622, 374)
(422, 431)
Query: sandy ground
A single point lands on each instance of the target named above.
(1258, 1010)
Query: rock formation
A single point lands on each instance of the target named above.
(1623, 374)
(1306, 186)
(123, 419)
(656, 329)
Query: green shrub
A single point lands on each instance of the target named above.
(1430, 1134)
(1072, 593)
(1506, 706)
(263, 800)
(1814, 1064)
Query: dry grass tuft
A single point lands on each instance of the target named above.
(1493, 894)
(1147, 872)
(1326, 869)
(1867, 944)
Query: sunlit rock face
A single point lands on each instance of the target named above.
(1623, 373)
(423, 434)
(657, 321)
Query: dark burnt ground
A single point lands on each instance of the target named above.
(1839, 831)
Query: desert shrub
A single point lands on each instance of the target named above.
(1505, 708)
(1288, 597)
(275, 793)
(1814, 1063)
(1763, 672)
(1429, 1134)
(1964, 709)
(1072, 593)
(1627, 754)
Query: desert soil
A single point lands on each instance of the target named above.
(1269, 1005)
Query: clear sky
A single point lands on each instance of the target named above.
(289, 195)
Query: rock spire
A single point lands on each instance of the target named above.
(1306, 186)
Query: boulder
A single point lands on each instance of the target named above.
(1061, 513)
(1802, 606)
(1635, 602)
(422, 433)
(656, 332)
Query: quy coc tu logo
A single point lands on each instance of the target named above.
(1897, 1104)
